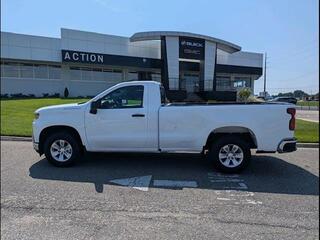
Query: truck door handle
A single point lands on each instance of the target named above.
(137, 115)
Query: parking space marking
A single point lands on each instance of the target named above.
(172, 183)
(231, 185)
(227, 181)
(140, 183)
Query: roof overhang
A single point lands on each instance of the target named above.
(156, 35)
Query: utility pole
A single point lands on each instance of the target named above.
(265, 76)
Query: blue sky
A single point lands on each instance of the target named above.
(286, 29)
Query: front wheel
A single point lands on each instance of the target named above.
(230, 154)
(61, 149)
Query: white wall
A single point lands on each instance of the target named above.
(27, 47)
(209, 64)
(31, 86)
(240, 58)
(172, 47)
(108, 44)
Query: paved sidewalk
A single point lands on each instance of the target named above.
(311, 116)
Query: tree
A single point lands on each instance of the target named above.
(244, 94)
(66, 92)
(300, 94)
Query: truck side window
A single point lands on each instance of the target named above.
(125, 97)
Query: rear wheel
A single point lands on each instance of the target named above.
(230, 154)
(61, 149)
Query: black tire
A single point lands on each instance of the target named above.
(230, 141)
(69, 139)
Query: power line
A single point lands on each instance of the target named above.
(294, 57)
(302, 49)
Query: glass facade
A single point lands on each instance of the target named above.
(29, 70)
(232, 82)
(189, 81)
(95, 74)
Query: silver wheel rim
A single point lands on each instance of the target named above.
(61, 150)
(231, 155)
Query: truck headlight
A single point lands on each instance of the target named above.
(36, 115)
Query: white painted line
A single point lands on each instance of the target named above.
(224, 199)
(226, 180)
(140, 183)
(308, 120)
(222, 175)
(249, 201)
(172, 183)
(243, 185)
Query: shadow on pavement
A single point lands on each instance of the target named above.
(266, 174)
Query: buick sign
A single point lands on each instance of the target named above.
(191, 48)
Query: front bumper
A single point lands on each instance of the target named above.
(35, 145)
(287, 145)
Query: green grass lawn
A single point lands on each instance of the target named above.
(17, 116)
(307, 131)
(308, 103)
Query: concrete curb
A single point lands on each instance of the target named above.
(307, 145)
(15, 138)
(29, 139)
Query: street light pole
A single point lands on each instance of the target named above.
(265, 76)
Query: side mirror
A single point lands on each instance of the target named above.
(94, 107)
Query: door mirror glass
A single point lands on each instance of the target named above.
(94, 107)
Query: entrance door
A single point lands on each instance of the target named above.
(192, 82)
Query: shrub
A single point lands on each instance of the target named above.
(66, 92)
(254, 99)
(4, 95)
(244, 94)
(55, 95)
(45, 95)
(17, 95)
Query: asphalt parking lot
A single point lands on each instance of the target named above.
(167, 196)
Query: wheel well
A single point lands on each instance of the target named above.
(242, 132)
(46, 132)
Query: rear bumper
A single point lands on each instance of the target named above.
(287, 145)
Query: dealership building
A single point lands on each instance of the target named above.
(190, 66)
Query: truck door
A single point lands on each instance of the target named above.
(120, 123)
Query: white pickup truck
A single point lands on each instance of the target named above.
(135, 117)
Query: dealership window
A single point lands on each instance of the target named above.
(11, 69)
(240, 82)
(54, 72)
(117, 75)
(156, 77)
(1, 69)
(41, 71)
(223, 83)
(125, 97)
(97, 74)
(86, 73)
(26, 70)
(75, 73)
(132, 75)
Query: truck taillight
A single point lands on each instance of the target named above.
(292, 122)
